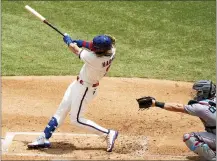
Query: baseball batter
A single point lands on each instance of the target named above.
(204, 107)
(97, 57)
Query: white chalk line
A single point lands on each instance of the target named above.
(7, 141)
(10, 135)
(71, 156)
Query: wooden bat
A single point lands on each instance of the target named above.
(31, 10)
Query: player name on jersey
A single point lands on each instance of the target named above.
(104, 64)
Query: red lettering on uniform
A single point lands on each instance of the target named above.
(104, 64)
(107, 69)
(110, 61)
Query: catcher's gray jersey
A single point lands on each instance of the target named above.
(206, 113)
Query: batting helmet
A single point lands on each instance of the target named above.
(205, 89)
(102, 42)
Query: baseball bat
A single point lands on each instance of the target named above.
(31, 10)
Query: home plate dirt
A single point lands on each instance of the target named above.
(28, 103)
(74, 146)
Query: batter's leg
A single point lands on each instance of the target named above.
(78, 107)
(56, 120)
(61, 112)
(77, 110)
(202, 144)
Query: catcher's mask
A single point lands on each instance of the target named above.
(102, 43)
(205, 89)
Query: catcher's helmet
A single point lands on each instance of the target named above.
(102, 42)
(205, 90)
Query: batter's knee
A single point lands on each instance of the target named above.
(77, 121)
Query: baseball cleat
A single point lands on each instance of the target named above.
(40, 142)
(111, 137)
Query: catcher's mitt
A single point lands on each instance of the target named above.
(145, 102)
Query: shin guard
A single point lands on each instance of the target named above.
(50, 128)
(197, 145)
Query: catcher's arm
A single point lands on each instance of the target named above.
(175, 107)
(147, 102)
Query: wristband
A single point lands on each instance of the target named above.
(79, 43)
(159, 104)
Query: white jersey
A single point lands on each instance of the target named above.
(95, 68)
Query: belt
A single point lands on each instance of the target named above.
(82, 82)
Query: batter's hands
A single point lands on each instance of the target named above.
(67, 39)
(146, 102)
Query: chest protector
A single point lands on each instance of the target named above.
(207, 103)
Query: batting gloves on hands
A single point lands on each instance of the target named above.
(67, 39)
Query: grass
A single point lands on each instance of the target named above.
(164, 40)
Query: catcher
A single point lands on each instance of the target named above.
(204, 107)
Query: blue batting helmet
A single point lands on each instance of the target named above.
(102, 42)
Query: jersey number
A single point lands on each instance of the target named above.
(212, 109)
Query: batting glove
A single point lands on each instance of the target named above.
(67, 39)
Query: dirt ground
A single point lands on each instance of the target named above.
(29, 102)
